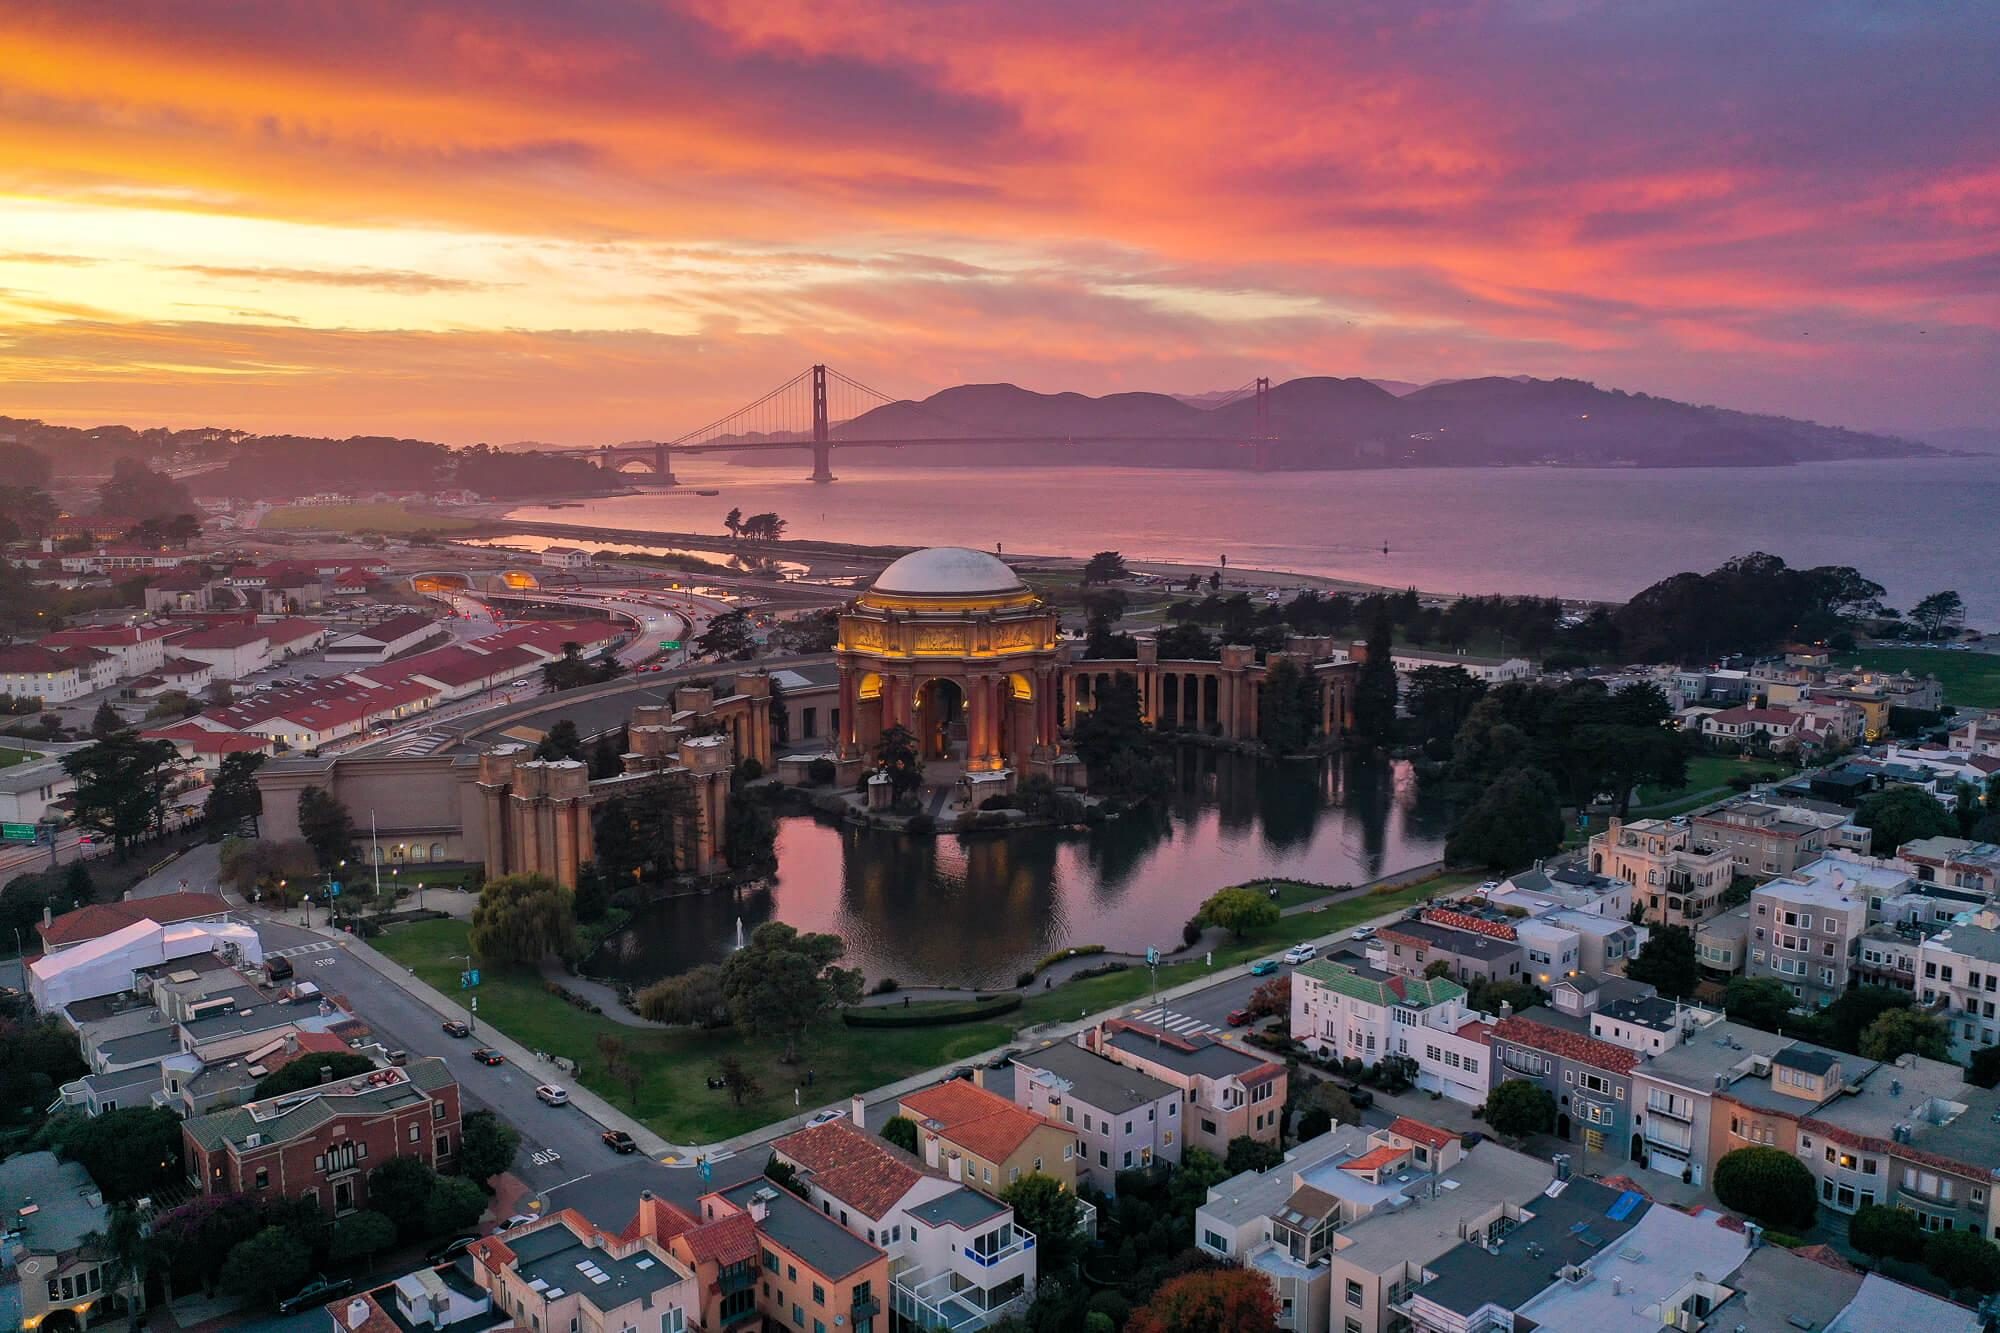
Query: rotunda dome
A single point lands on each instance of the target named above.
(948, 571)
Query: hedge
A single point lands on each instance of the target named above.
(936, 1015)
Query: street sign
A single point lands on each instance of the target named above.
(474, 974)
(1152, 956)
(333, 889)
(671, 645)
(17, 832)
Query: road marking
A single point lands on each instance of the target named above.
(317, 946)
(1184, 1025)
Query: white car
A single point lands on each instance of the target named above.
(552, 1094)
(827, 1117)
(517, 1220)
(1364, 932)
(1301, 953)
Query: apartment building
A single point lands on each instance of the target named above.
(1805, 930)
(1343, 1225)
(1538, 891)
(1957, 975)
(561, 1272)
(1124, 1118)
(1590, 1079)
(1764, 838)
(446, 1298)
(978, 1137)
(1957, 863)
(1226, 1093)
(55, 1212)
(321, 1143)
(1351, 1011)
(1776, 729)
(1913, 1134)
(1673, 1096)
(1722, 943)
(813, 1272)
(1762, 1098)
(1677, 877)
(28, 671)
(1408, 948)
(138, 649)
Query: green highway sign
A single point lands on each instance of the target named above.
(671, 645)
(17, 832)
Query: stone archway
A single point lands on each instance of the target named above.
(937, 717)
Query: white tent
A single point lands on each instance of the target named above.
(104, 966)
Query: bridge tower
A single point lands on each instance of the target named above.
(663, 465)
(1264, 447)
(822, 449)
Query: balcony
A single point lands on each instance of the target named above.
(866, 1308)
(1086, 1219)
(1685, 1113)
(1024, 1240)
(737, 1277)
(949, 1303)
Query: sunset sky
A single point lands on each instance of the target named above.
(613, 219)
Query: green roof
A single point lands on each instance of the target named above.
(1380, 987)
(298, 1113)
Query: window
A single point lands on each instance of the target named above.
(770, 1261)
(416, 1133)
(1353, 1293)
(444, 1145)
(1214, 1242)
(1069, 1115)
(819, 1294)
(263, 1178)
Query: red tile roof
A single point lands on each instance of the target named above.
(222, 636)
(852, 1165)
(1479, 925)
(1374, 1159)
(725, 1241)
(1416, 1131)
(100, 919)
(983, 1123)
(105, 636)
(27, 657)
(659, 1219)
(1569, 1045)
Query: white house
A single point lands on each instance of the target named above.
(565, 557)
(28, 671)
(138, 648)
(1349, 1010)
(232, 652)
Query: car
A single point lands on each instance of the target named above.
(399, 1058)
(1238, 1017)
(1263, 967)
(1002, 1060)
(1364, 932)
(552, 1094)
(486, 1055)
(315, 1293)
(1360, 1096)
(450, 1250)
(827, 1117)
(454, 1028)
(517, 1220)
(1472, 1138)
(619, 1141)
(1301, 953)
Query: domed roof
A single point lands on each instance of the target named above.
(948, 571)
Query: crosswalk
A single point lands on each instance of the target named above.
(317, 946)
(1184, 1025)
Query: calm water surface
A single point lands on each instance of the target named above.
(1915, 526)
(978, 911)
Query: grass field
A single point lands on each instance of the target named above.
(360, 518)
(1705, 773)
(1970, 679)
(9, 758)
(672, 1097)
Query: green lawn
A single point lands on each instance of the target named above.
(672, 1096)
(1970, 679)
(1705, 773)
(9, 758)
(360, 518)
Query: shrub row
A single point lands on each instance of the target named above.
(940, 1015)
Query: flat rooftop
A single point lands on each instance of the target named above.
(1095, 1079)
(555, 1257)
(1566, 1228)
(1633, 1279)
(1486, 1177)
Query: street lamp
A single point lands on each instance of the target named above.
(420, 895)
(307, 903)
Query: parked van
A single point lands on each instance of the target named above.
(277, 970)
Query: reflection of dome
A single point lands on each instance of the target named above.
(948, 571)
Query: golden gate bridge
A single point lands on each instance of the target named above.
(818, 408)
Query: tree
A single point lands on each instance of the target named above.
(902, 1131)
(487, 1146)
(1901, 1031)
(1248, 1154)
(136, 491)
(1440, 698)
(783, 983)
(455, 1204)
(234, 796)
(1902, 814)
(1239, 910)
(727, 636)
(1938, 612)
(326, 827)
(170, 706)
(693, 999)
(1887, 1233)
(270, 1265)
(1963, 1260)
(750, 832)
(896, 755)
(607, 755)
(250, 864)
(1375, 688)
(399, 1190)
(1114, 743)
(106, 722)
(1287, 708)
(1667, 961)
(1103, 568)
(560, 741)
(1759, 1002)
(121, 785)
(1272, 999)
(1514, 822)
(1983, 1069)
(1518, 1108)
(620, 1065)
(125, 1249)
(737, 1080)
(1768, 1184)
(523, 919)
(362, 1235)
(733, 523)
(1044, 1206)
(1225, 1300)
(131, 1152)
(765, 527)
(570, 671)
(304, 1072)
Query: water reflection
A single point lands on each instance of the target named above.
(978, 910)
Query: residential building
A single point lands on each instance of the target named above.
(1980, 736)
(137, 648)
(378, 643)
(560, 1272)
(1913, 1134)
(232, 652)
(1777, 1290)
(1774, 729)
(1679, 878)
(808, 1272)
(1492, 670)
(29, 671)
(180, 590)
(1410, 947)
(1805, 929)
(176, 674)
(1649, 1023)
(1956, 862)
(1540, 890)
(53, 1209)
(1124, 1119)
(1888, 951)
(1589, 1079)
(984, 1140)
(448, 1299)
(1957, 975)
(1227, 1093)
(29, 788)
(1351, 1011)
(1765, 839)
(1673, 1097)
(1762, 1099)
(1722, 943)
(1343, 1225)
(565, 557)
(321, 1143)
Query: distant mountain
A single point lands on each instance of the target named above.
(1962, 439)
(1325, 422)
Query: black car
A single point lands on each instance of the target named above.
(620, 1141)
(1360, 1096)
(316, 1292)
(454, 1028)
(486, 1055)
(450, 1250)
(1002, 1060)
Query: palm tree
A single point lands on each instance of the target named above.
(123, 1245)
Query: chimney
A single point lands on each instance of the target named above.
(358, 1311)
(858, 1112)
(326, 1073)
(1617, 1285)
(760, 1207)
(48, 914)
(292, 1042)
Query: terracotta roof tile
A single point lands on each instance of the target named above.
(983, 1123)
(1374, 1159)
(1569, 1045)
(725, 1241)
(99, 919)
(1416, 1131)
(852, 1165)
